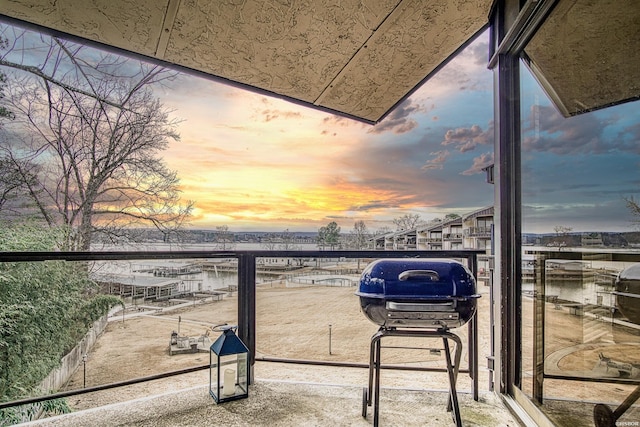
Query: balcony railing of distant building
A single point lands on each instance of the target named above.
(452, 236)
(484, 232)
(246, 288)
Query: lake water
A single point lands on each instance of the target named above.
(141, 271)
(593, 287)
(192, 247)
(582, 291)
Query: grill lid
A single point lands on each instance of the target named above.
(417, 279)
(418, 293)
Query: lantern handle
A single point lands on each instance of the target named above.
(224, 327)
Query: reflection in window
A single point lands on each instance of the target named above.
(580, 290)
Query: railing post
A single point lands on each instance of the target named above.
(473, 336)
(539, 302)
(247, 306)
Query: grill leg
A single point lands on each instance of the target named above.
(373, 391)
(452, 370)
(456, 362)
(372, 364)
(372, 394)
(377, 380)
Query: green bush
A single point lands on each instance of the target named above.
(45, 308)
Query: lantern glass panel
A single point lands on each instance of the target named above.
(228, 377)
(242, 372)
(214, 375)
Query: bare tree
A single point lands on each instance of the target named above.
(562, 235)
(561, 230)
(407, 222)
(288, 241)
(382, 230)
(5, 113)
(91, 125)
(225, 239)
(15, 179)
(285, 241)
(634, 207)
(269, 242)
(359, 236)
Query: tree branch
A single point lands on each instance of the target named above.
(39, 73)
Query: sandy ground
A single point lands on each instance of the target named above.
(292, 322)
(295, 322)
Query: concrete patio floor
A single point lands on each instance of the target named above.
(292, 403)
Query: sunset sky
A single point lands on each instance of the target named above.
(256, 163)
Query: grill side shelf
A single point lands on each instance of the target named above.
(431, 306)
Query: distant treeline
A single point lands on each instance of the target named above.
(574, 239)
(214, 236)
(581, 239)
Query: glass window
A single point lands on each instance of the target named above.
(581, 259)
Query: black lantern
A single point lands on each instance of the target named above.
(228, 367)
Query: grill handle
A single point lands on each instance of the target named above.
(419, 274)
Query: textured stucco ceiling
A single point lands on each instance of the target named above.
(355, 57)
(587, 54)
(359, 58)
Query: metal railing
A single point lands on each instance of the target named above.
(246, 262)
(478, 232)
(539, 276)
(452, 236)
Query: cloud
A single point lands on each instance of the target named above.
(269, 115)
(546, 130)
(603, 215)
(331, 124)
(399, 121)
(335, 120)
(438, 161)
(479, 163)
(467, 139)
(466, 72)
(371, 205)
(632, 130)
(476, 52)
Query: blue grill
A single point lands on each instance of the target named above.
(418, 293)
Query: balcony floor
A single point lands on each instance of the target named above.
(293, 402)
